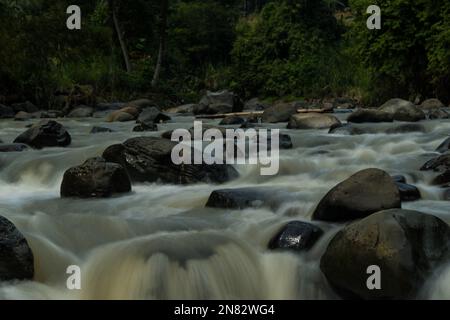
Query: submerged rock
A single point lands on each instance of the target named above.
(345, 129)
(312, 121)
(145, 127)
(297, 236)
(406, 245)
(440, 164)
(46, 133)
(444, 146)
(369, 115)
(12, 147)
(364, 193)
(149, 159)
(16, 257)
(96, 129)
(406, 128)
(95, 178)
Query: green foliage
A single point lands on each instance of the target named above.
(409, 55)
(290, 48)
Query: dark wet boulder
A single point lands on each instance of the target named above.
(441, 165)
(16, 257)
(369, 115)
(364, 193)
(403, 110)
(312, 121)
(6, 112)
(96, 178)
(297, 236)
(346, 129)
(406, 245)
(406, 128)
(149, 159)
(280, 112)
(152, 115)
(408, 192)
(444, 146)
(145, 127)
(12, 147)
(81, 112)
(46, 133)
(253, 197)
(232, 120)
(219, 102)
(97, 129)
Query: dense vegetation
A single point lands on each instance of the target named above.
(172, 50)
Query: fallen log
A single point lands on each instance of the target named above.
(255, 113)
(224, 115)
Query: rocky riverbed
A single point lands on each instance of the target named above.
(100, 192)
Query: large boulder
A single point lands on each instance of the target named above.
(218, 102)
(242, 198)
(122, 115)
(152, 115)
(46, 133)
(81, 112)
(312, 121)
(22, 116)
(16, 258)
(370, 115)
(430, 104)
(6, 112)
(95, 178)
(403, 110)
(364, 193)
(280, 112)
(149, 159)
(406, 245)
(297, 236)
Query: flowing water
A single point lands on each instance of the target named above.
(159, 242)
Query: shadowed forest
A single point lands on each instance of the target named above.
(174, 50)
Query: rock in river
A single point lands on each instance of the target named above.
(280, 112)
(406, 245)
(149, 159)
(16, 258)
(47, 133)
(403, 110)
(95, 178)
(369, 115)
(364, 193)
(12, 147)
(296, 235)
(312, 121)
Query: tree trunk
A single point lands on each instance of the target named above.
(162, 42)
(119, 33)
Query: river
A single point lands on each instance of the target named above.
(159, 242)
